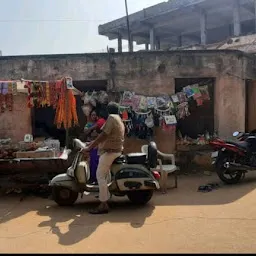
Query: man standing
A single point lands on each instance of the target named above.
(110, 146)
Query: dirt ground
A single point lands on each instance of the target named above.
(183, 221)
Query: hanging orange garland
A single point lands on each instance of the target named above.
(66, 114)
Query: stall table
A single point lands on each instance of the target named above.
(188, 152)
(18, 171)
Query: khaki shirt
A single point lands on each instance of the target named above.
(114, 128)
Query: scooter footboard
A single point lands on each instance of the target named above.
(134, 179)
(63, 180)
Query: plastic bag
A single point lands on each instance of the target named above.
(103, 97)
(86, 98)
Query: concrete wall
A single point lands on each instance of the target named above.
(139, 72)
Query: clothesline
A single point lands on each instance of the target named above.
(38, 81)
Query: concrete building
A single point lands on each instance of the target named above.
(146, 73)
(183, 23)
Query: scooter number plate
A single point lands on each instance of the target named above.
(215, 154)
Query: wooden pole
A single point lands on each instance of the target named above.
(66, 108)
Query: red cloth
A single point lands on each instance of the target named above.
(100, 122)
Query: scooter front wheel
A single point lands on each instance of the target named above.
(64, 196)
(140, 197)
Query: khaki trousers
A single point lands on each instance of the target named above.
(102, 174)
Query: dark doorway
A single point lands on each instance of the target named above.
(250, 105)
(201, 118)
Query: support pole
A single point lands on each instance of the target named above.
(180, 41)
(152, 39)
(131, 47)
(66, 109)
(203, 29)
(236, 18)
(158, 44)
(255, 15)
(128, 27)
(120, 46)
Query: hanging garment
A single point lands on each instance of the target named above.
(182, 97)
(127, 98)
(4, 88)
(175, 98)
(152, 103)
(149, 121)
(188, 91)
(183, 110)
(163, 101)
(125, 115)
(135, 102)
(197, 93)
(199, 101)
(204, 92)
(143, 103)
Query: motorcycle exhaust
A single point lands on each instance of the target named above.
(237, 167)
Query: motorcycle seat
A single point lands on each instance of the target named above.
(121, 159)
(242, 144)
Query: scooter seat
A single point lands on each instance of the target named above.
(136, 158)
(119, 160)
(242, 144)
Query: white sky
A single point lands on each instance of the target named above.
(41, 26)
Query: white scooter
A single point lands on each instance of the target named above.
(131, 175)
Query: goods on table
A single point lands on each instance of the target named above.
(36, 154)
(41, 149)
(8, 153)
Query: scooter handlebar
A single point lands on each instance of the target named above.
(79, 144)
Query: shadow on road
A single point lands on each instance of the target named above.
(186, 194)
(121, 210)
(83, 224)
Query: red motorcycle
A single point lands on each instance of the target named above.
(233, 159)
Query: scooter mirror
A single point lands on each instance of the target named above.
(235, 134)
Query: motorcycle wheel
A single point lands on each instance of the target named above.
(228, 178)
(64, 196)
(141, 197)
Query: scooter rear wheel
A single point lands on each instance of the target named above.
(64, 196)
(140, 197)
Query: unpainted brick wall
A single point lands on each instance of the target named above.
(15, 124)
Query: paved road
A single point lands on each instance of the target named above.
(183, 221)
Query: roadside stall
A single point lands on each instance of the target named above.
(144, 115)
(37, 156)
